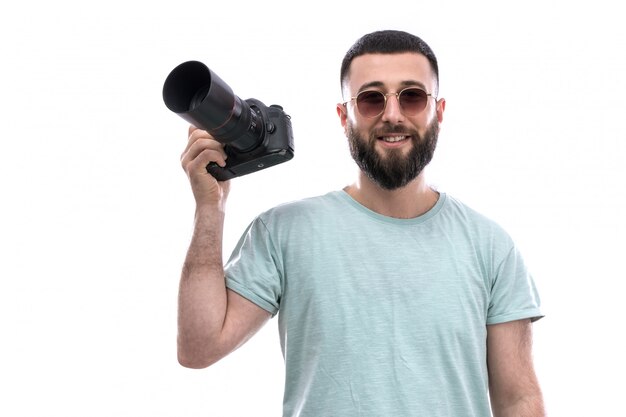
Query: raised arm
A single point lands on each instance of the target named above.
(212, 321)
(513, 385)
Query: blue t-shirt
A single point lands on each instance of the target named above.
(381, 316)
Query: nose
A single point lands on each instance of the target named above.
(393, 111)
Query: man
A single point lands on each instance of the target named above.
(393, 299)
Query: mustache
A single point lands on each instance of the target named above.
(395, 129)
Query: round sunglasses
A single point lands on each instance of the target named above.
(372, 103)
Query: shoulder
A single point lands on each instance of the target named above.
(473, 221)
(306, 207)
(296, 220)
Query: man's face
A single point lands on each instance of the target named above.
(392, 148)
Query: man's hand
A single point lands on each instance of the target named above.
(201, 150)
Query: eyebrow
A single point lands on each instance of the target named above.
(379, 84)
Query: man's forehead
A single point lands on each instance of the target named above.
(392, 69)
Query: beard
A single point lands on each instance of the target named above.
(393, 170)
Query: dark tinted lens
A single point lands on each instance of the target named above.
(370, 103)
(413, 100)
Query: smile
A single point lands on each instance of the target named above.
(393, 139)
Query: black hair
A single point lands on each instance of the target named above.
(388, 42)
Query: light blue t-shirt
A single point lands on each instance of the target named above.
(381, 316)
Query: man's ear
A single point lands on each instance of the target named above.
(441, 107)
(342, 112)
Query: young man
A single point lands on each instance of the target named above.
(393, 299)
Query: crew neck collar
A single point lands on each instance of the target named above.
(393, 220)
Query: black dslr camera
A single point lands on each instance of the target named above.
(255, 136)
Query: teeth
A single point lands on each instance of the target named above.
(393, 138)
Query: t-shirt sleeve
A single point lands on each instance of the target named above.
(513, 294)
(254, 268)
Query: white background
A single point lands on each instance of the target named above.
(96, 212)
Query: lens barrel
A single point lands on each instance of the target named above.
(199, 96)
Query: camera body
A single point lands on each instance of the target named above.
(255, 136)
(274, 147)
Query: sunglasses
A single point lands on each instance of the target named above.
(372, 103)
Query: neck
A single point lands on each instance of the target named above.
(410, 201)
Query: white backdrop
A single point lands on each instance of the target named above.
(96, 212)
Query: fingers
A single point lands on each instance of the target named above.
(201, 150)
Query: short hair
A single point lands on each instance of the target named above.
(388, 42)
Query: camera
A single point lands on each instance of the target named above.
(255, 136)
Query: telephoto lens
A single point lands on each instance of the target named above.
(198, 95)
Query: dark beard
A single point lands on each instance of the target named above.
(394, 170)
